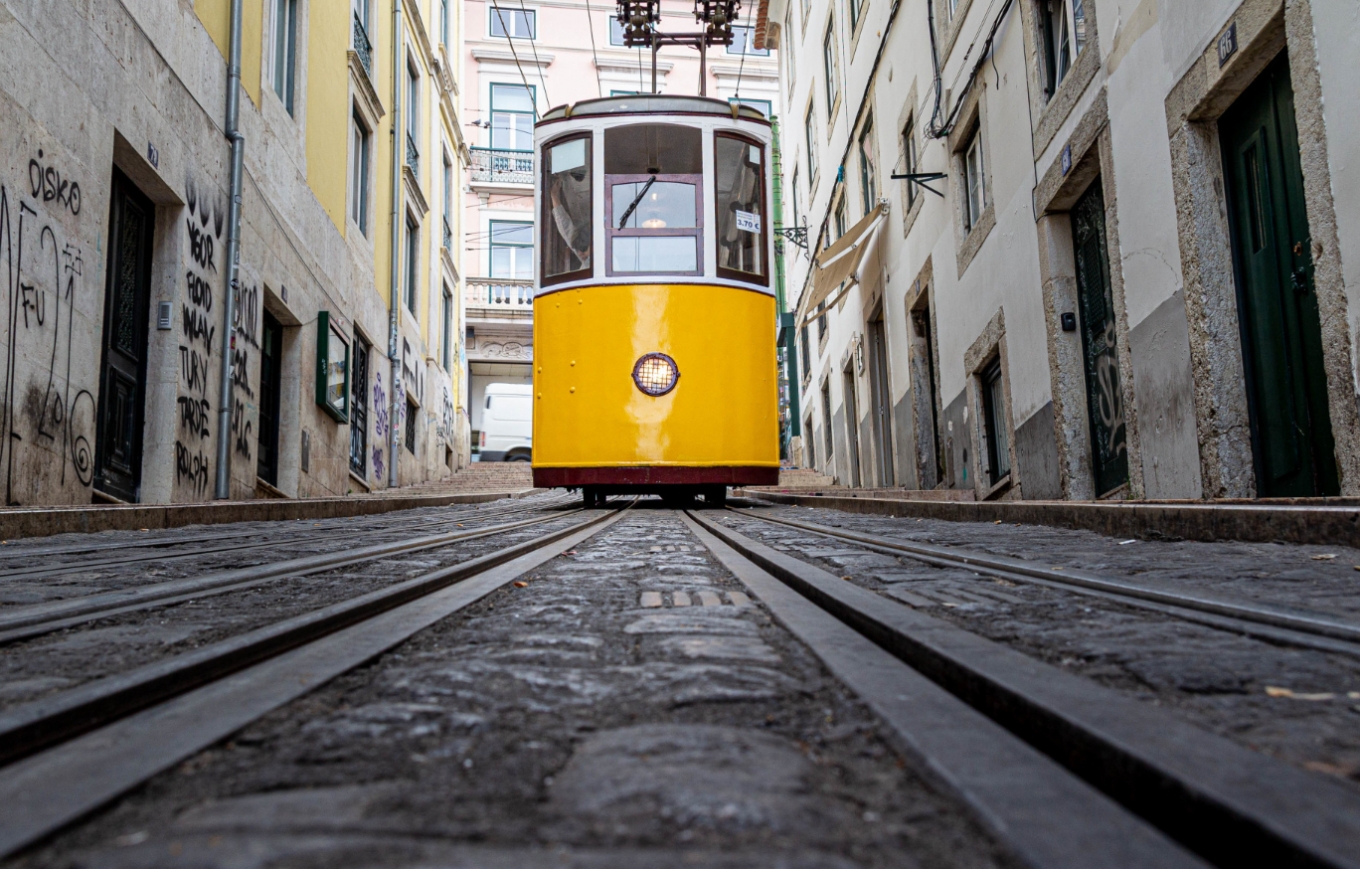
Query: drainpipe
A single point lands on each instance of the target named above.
(222, 489)
(394, 282)
(786, 320)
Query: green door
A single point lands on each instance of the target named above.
(1281, 333)
(1104, 397)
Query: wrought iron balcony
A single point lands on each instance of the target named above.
(362, 46)
(502, 166)
(515, 294)
(412, 155)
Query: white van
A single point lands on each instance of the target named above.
(507, 432)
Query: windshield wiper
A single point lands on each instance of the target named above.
(641, 193)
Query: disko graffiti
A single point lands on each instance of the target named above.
(48, 420)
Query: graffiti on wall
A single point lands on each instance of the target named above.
(203, 225)
(44, 416)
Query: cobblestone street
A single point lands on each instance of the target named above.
(615, 695)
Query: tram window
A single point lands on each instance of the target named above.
(740, 196)
(661, 204)
(656, 149)
(653, 199)
(567, 209)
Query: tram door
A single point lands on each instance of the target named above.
(1281, 330)
(122, 378)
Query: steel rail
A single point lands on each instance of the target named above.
(1015, 569)
(103, 739)
(22, 623)
(1045, 814)
(1229, 804)
(158, 543)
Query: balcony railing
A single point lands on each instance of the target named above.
(362, 46)
(502, 166)
(515, 294)
(412, 155)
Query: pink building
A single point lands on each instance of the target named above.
(522, 60)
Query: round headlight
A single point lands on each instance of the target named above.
(655, 374)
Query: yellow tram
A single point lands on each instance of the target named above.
(654, 309)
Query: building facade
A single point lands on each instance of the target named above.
(520, 60)
(116, 194)
(1075, 248)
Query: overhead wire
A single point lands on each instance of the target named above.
(590, 19)
(533, 44)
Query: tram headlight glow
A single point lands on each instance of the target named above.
(655, 374)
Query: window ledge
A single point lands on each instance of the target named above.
(360, 480)
(972, 242)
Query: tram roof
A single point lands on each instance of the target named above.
(653, 104)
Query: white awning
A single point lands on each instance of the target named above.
(841, 262)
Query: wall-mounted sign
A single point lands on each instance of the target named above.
(332, 368)
(1227, 44)
(153, 156)
(1067, 159)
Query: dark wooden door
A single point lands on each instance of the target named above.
(127, 294)
(882, 409)
(358, 409)
(1104, 395)
(1281, 332)
(271, 381)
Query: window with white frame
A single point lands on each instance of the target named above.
(512, 249)
(856, 12)
(744, 42)
(615, 31)
(444, 23)
(829, 65)
(810, 131)
(283, 49)
(360, 146)
(953, 6)
(446, 335)
(786, 49)
(868, 165)
(448, 201)
(512, 117)
(909, 161)
(412, 113)
(1062, 36)
(412, 263)
(515, 23)
(974, 181)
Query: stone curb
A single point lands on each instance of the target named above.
(1265, 523)
(18, 522)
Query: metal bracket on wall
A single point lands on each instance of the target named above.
(920, 179)
(795, 234)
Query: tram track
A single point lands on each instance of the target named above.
(1052, 765)
(305, 535)
(27, 622)
(67, 754)
(1295, 627)
(1230, 805)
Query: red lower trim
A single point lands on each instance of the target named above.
(551, 478)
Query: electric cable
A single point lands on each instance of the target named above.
(590, 19)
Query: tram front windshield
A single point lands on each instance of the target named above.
(653, 199)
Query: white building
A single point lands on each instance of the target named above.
(1142, 278)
